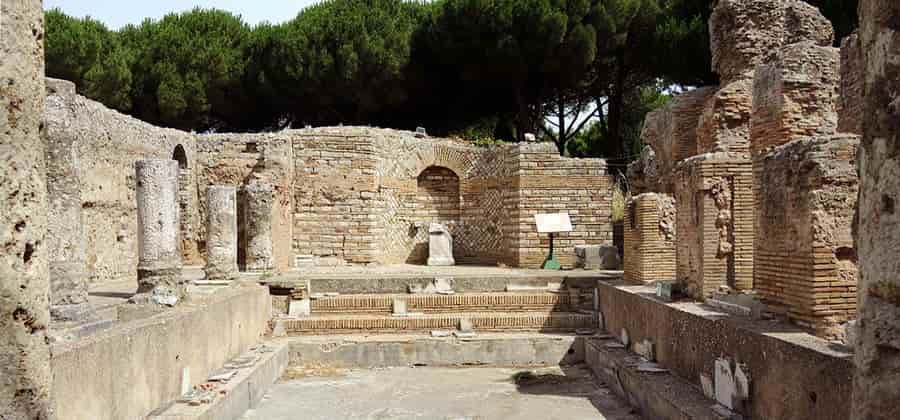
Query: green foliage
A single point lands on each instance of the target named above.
(342, 61)
(85, 52)
(595, 139)
(189, 68)
(479, 69)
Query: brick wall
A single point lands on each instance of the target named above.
(724, 124)
(650, 238)
(544, 182)
(714, 220)
(336, 195)
(807, 264)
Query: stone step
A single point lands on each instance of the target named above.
(437, 303)
(480, 321)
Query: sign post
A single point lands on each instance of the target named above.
(552, 224)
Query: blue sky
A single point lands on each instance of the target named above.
(117, 13)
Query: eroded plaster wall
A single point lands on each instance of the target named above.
(108, 144)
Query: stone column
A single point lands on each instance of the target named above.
(24, 283)
(221, 232)
(258, 212)
(159, 251)
(876, 385)
(65, 235)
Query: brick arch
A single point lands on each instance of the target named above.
(456, 159)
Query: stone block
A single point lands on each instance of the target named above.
(725, 386)
(300, 308)
(398, 306)
(440, 246)
(597, 257)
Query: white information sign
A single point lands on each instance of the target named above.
(553, 222)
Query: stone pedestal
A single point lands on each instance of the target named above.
(221, 232)
(258, 211)
(159, 253)
(440, 246)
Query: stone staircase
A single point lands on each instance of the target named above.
(444, 311)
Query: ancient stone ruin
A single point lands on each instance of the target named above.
(763, 181)
(154, 273)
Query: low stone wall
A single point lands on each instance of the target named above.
(136, 367)
(793, 375)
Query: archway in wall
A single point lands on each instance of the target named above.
(437, 200)
(190, 249)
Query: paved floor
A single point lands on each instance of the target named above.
(442, 393)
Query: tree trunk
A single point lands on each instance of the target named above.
(615, 106)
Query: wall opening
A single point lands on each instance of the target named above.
(190, 249)
(180, 156)
(437, 200)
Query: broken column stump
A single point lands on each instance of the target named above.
(221, 232)
(65, 233)
(259, 209)
(159, 251)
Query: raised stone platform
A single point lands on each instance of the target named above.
(398, 278)
(481, 321)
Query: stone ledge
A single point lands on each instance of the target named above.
(398, 350)
(135, 367)
(794, 374)
(659, 395)
(243, 392)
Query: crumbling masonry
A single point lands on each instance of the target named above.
(763, 182)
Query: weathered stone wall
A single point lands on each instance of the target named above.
(714, 202)
(136, 367)
(336, 194)
(671, 132)
(805, 189)
(650, 238)
(807, 265)
(850, 110)
(237, 159)
(108, 144)
(875, 390)
(403, 160)
(24, 284)
(795, 94)
(744, 32)
(725, 121)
